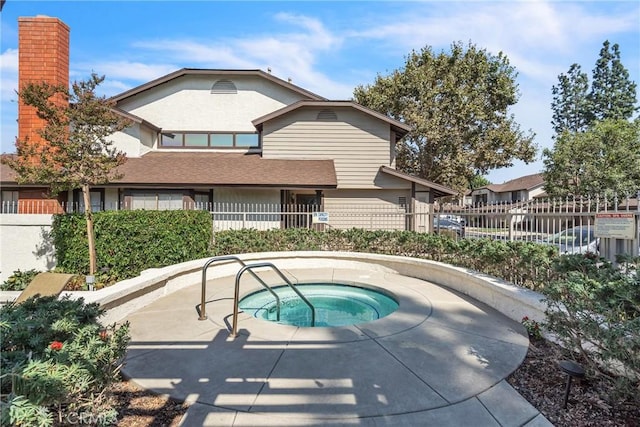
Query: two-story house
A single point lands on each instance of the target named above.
(519, 189)
(205, 136)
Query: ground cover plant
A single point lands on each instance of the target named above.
(18, 280)
(57, 360)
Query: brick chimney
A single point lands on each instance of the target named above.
(43, 56)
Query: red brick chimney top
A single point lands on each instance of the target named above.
(43, 56)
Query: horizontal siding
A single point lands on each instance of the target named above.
(372, 210)
(357, 143)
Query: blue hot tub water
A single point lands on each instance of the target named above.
(335, 304)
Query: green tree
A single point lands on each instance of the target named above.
(604, 158)
(457, 104)
(570, 103)
(613, 94)
(478, 181)
(76, 152)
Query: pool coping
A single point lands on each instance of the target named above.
(129, 295)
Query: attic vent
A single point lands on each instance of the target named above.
(224, 86)
(327, 115)
(402, 201)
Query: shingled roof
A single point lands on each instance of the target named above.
(188, 169)
(526, 182)
(228, 169)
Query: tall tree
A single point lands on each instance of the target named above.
(478, 181)
(570, 103)
(604, 158)
(613, 94)
(77, 151)
(457, 104)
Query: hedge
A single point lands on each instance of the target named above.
(128, 242)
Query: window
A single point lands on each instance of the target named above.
(222, 140)
(171, 140)
(247, 140)
(196, 140)
(9, 201)
(154, 201)
(209, 140)
(96, 198)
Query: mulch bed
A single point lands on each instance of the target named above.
(539, 380)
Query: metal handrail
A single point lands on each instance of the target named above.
(236, 296)
(203, 296)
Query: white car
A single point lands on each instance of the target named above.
(576, 240)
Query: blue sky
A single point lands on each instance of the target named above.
(328, 47)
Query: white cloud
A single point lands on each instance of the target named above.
(9, 74)
(289, 54)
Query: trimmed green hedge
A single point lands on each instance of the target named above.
(522, 263)
(128, 242)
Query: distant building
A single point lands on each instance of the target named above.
(517, 190)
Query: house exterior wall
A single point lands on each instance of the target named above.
(343, 207)
(186, 103)
(135, 141)
(246, 195)
(358, 144)
(25, 244)
(535, 192)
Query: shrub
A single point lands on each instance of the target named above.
(19, 280)
(524, 263)
(594, 310)
(128, 242)
(56, 358)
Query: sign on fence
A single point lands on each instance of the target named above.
(615, 226)
(320, 218)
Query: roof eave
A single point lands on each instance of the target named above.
(438, 188)
(213, 72)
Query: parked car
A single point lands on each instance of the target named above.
(576, 240)
(447, 224)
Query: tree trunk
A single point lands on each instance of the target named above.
(90, 234)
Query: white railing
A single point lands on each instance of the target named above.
(568, 223)
(534, 220)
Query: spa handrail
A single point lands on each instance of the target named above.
(236, 296)
(203, 296)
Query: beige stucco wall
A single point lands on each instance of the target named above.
(186, 103)
(25, 243)
(358, 143)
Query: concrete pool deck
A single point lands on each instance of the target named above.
(441, 359)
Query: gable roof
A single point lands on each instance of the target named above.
(401, 129)
(526, 182)
(136, 119)
(438, 190)
(213, 72)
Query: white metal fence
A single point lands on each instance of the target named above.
(568, 223)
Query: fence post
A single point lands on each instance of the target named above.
(511, 222)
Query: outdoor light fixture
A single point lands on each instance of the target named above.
(90, 280)
(572, 369)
